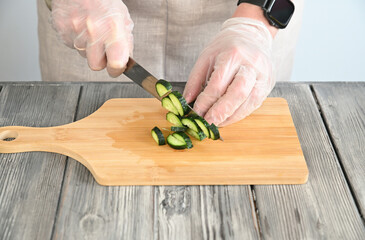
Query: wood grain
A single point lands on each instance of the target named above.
(343, 108)
(90, 211)
(321, 209)
(30, 183)
(205, 212)
(115, 144)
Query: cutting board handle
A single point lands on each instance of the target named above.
(15, 139)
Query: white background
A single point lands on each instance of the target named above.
(331, 45)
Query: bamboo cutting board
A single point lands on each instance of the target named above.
(115, 144)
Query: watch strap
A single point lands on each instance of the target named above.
(260, 3)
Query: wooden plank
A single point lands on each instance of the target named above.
(204, 212)
(30, 183)
(343, 109)
(321, 209)
(90, 211)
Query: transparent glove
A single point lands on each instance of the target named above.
(101, 30)
(233, 75)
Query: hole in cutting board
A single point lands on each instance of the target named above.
(8, 135)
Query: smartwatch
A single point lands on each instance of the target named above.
(277, 12)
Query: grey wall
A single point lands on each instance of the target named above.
(18, 41)
(331, 46)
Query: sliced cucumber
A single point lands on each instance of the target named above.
(158, 136)
(178, 128)
(174, 119)
(167, 103)
(175, 143)
(179, 102)
(163, 87)
(190, 123)
(213, 132)
(183, 137)
(204, 125)
(197, 135)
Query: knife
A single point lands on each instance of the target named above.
(142, 77)
(146, 80)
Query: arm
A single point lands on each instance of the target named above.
(254, 12)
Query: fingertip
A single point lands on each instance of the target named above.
(188, 95)
(115, 72)
(95, 60)
(117, 55)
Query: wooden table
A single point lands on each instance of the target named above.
(49, 196)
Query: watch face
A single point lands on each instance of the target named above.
(281, 12)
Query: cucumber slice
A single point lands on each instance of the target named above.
(214, 132)
(197, 135)
(163, 87)
(204, 125)
(190, 123)
(166, 103)
(183, 137)
(174, 119)
(179, 102)
(178, 128)
(175, 143)
(158, 136)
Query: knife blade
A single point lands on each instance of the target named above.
(146, 80)
(142, 77)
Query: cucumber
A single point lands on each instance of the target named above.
(174, 119)
(158, 136)
(167, 103)
(163, 87)
(204, 125)
(179, 102)
(197, 135)
(178, 128)
(213, 132)
(190, 123)
(183, 137)
(175, 142)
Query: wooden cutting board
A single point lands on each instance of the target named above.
(115, 144)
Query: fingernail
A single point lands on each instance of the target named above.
(187, 96)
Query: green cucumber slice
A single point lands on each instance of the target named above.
(179, 102)
(213, 132)
(163, 87)
(197, 135)
(158, 136)
(183, 137)
(204, 125)
(167, 103)
(178, 128)
(175, 143)
(190, 123)
(174, 119)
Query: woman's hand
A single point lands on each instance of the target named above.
(101, 31)
(233, 75)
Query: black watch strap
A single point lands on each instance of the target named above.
(260, 3)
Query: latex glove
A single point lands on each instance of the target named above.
(233, 75)
(101, 30)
